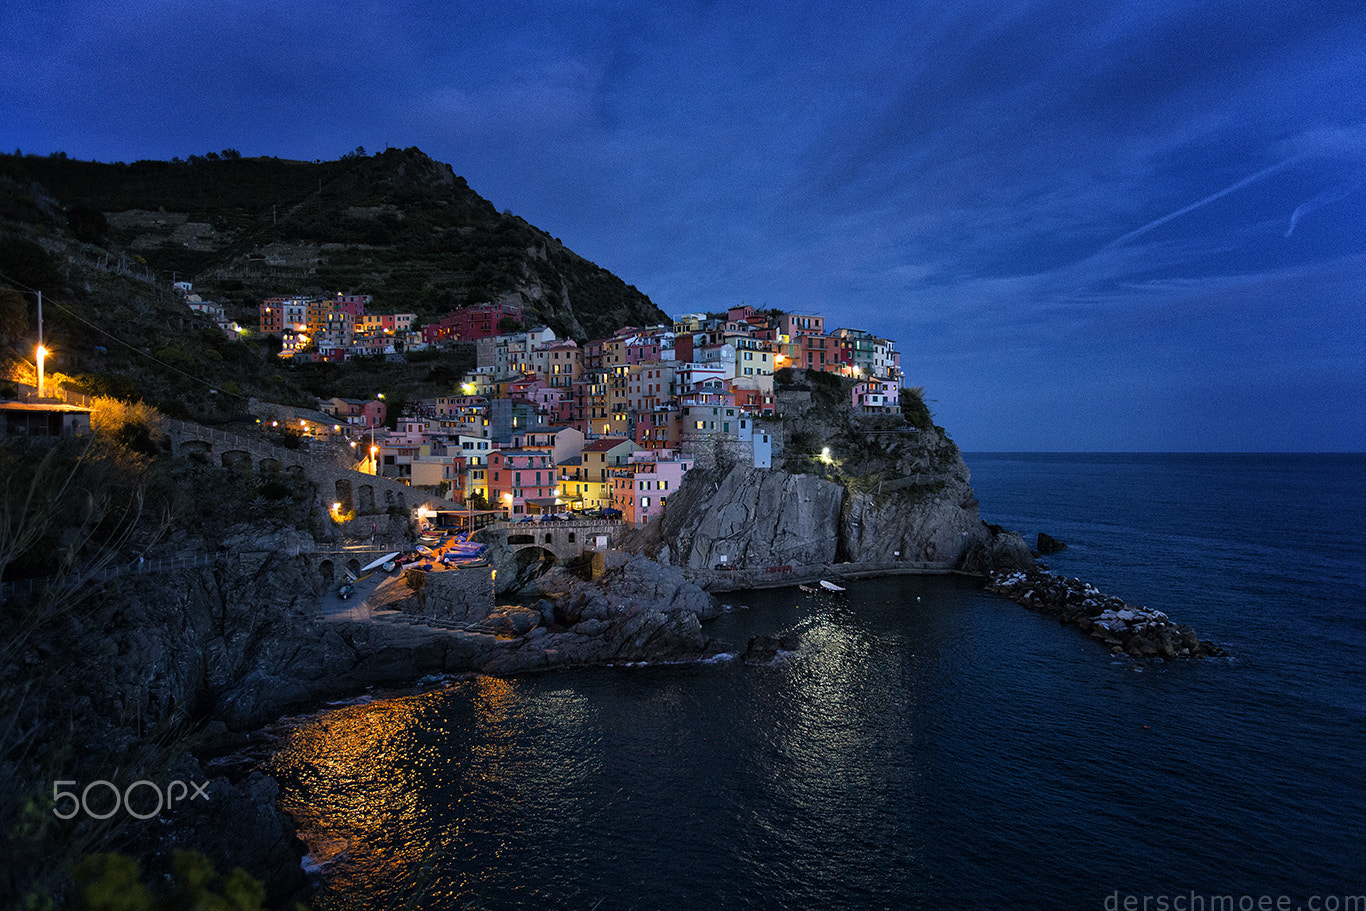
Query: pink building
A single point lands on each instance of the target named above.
(353, 304)
(362, 412)
(641, 488)
(877, 395)
(522, 481)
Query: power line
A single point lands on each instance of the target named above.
(127, 345)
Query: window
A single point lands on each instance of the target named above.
(644, 502)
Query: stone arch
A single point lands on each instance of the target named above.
(365, 499)
(571, 537)
(354, 565)
(343, 495)
(238, 460)
(390, 499)
(268, 465)
(296, 472)
(549, 538)
(327, 570)
(198, 450)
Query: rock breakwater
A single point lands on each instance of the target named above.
(1122, 628)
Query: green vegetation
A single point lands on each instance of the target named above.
(114, 882)
(914, 409)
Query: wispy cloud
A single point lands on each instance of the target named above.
(1060, 194)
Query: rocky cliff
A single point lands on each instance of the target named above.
(164, 676)
(871, 491)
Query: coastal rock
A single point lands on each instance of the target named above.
(766, 650)
(234, 824)
(1000, 550)
(1047, 544)
(758, 521)
(1121, 627)
(637, 611)
(752, 517)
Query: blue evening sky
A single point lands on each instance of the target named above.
(1088, 226)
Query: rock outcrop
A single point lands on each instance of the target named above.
(637, 611)
(1047, 544)
(755, 522)
(866, 492)
(1120, 627)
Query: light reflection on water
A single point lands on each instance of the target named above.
(929, 746)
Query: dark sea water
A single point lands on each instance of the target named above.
(930, 746)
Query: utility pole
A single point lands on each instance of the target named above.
(42, 352)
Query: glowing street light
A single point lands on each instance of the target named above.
(42, 355)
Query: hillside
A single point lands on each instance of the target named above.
(397, 225)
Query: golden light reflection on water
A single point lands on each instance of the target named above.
(361, 773)
(388, 788)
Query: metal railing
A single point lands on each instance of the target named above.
(159, 565)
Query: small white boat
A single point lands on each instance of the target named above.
(380, 562)
(831, 587)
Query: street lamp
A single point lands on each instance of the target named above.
(42, 355)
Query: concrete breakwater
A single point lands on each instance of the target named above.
(1120, 627)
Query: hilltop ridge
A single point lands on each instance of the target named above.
(398, 225)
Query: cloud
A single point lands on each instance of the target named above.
(1321, 200)
(1185, 210)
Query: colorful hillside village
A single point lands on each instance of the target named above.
(544, 425)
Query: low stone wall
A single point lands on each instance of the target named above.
(725, 580)
(1120, 627)
(456, 595)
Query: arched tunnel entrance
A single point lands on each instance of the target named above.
(343, 496)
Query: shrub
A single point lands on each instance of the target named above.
(914, 409)
(114, 882)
